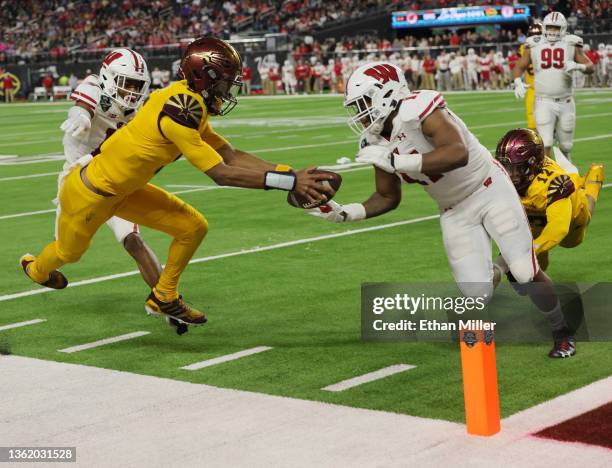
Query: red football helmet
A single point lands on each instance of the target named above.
(521, 152)
(213, 68)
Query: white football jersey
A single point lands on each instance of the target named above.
(107, 115)
(549, 60)
(407, 137)
(472, 62)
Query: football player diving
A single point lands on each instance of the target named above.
(558, 202)
(104, 103)
(173, 122)
(414, 138)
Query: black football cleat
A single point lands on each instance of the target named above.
(179, 327)
(56, 280)
(177, 310)
(565, 344)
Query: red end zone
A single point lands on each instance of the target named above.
(594, 427)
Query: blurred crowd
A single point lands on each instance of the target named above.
(445, 71)
(56, 27)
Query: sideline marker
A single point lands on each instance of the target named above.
(479, 382)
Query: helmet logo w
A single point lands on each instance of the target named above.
(383, 72)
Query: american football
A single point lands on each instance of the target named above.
(300, 201)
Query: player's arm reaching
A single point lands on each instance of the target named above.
(207, 159)
(558, 219)
(522, 64)
(450, 150)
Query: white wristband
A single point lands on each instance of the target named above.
(407, 162)
(280, 180)
(518, 82)
(354, 211)
(581, 66)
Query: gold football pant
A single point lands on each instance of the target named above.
(83, 212)
(529, 103)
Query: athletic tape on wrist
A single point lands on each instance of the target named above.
(280, 180)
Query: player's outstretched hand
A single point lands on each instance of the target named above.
(309, 184)
(377, 155)
(337, 213)
(519, 88)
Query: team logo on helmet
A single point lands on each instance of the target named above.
(382, 72)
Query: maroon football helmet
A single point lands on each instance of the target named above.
(521, 152)
(213, 68)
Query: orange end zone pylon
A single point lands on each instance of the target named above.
(479, 382)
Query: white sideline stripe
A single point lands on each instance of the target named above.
(29, 213)
(226, 358)
(95, 344)
(21, 324)
(369, 377)
(100, 279)
(31, 176)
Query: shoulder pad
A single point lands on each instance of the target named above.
(88, 92)
(417, 106)
(560, 187)
(184, 109)
(574, 40)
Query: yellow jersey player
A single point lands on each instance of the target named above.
(173, 122)
(558, 202)
(535, 29)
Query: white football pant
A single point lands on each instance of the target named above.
(492, 212)
(556, 115)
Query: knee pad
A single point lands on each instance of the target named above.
(524, 270)
(474, 290)
(565, 143)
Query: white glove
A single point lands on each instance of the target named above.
(571, 66)
(377, 155)
(336, 213)
(519, 88)
(78, 122)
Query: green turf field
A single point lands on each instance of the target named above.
(301, 299)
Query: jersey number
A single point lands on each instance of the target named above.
(552, 58)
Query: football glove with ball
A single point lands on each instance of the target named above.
(337, 213)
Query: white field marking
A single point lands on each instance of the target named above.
(35, 132)
(320, 137)
(21, 324)
(31, 176)
(226, 358)
(369, 377)
(37, 159)
(285, 137)
(350, 232)
(29, 142)
(95, 344)
(29, 213)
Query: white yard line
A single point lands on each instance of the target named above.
(100, 279)
(31, 176)
(226, 358)
(369, 377)
(104, 342)
(28, 213)
(21, 324)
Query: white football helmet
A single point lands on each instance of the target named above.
(124, 78)
(554, 19)
(372, 92)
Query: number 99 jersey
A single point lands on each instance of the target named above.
(549, 60)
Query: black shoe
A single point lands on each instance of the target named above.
(565, 344)
(181, 328)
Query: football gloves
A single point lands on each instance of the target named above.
(77, 123)
(519, 88)
(571, 66)
(337, 213)
(377, 155)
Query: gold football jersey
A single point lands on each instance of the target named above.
(172, 122)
